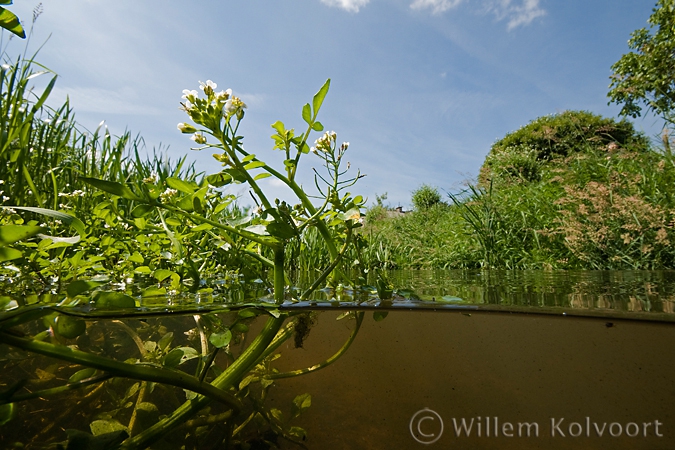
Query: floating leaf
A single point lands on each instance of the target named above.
(110, 299)
(380, 315)
(78, 287)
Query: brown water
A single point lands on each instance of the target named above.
(491, 368)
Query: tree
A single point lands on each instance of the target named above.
(646, 76)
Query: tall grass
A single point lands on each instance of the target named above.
(600, 207)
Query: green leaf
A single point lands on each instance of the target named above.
(307, 114)
(147, 406)
(111, 299)
(279, 126)
(281, 230)
(380, 315)
(240, 327)
(153, 291)
(257, 229)
(248, 158)
(81, 375)
(13, 233)
(99, 427)
(78, 287)
(9, 253)
(180, 185)
(72, 221)
(254, 165)
(179, 355)
(248, 313)
(7, 413)
(162, 274)
(219, 179)
(300, 404)
(220, 340)
(10, 22)
(261, 175)
(70, 327)
(141, 210)
(317, 126)
(317, 101)
(113, 187)
(165, 340)
(236, 174)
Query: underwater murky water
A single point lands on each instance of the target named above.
(470, 360)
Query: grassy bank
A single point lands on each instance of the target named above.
(600, 199)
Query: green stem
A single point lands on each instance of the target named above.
(120, 369)
(327, 362)
(226, 380)
(279, 276)
(56, 390)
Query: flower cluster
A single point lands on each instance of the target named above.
(325, 143)
(209, 111)
(168, 194)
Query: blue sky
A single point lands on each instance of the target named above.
(420, 88)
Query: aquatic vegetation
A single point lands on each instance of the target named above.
(91, 234)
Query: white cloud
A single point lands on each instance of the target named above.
(436, 6)
(517, 13)
(348, 5)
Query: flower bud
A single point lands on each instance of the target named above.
(186, 128)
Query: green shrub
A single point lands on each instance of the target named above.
(425, 197)
(520, 155)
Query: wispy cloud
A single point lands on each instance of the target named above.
(124, 101)
(436, 6)
(516, 13)
(348, 5)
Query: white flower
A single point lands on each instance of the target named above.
(199, 138)
(232, 106)
(190, 95)
(223, 95)
(207, 87)
(152, 179)
(168, 194)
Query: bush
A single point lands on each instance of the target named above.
(521, 155)
(425, 197)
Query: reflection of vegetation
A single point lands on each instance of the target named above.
(90, 230)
